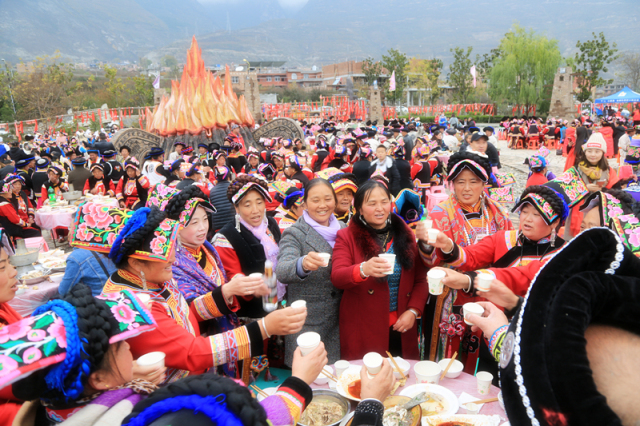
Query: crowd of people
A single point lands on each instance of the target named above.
(208, 249)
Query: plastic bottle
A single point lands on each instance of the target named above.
(270, 301)
(52, 196)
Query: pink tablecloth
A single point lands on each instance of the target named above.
(54, 219)
(27, 301)
(464, 383)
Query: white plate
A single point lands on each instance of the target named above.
(451, 399)
(350, 374)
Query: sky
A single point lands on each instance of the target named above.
(285, 4)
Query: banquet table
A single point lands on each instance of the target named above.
(27, 300)
(56, 218)
(463, 383)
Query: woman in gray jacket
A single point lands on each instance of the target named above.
(303, 269)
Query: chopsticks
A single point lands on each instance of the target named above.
(482, 401)
(260, 391)
(329, 375)
(453, 358)
(395, 364)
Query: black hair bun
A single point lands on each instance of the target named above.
(555, 201)
(241, 181)
(176, 204)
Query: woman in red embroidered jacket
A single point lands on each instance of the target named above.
(97, 184)
(16, 210)
(144, 252)
(133, 188)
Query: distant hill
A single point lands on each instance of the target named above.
(105, 30)
(323, 31)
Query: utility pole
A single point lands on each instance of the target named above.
(13, 104)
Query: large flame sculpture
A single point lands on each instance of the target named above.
(199, 102)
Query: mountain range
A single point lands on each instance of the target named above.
(321, 32)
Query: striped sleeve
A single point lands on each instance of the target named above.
(288, 403)
(212, 305)
(237, 344)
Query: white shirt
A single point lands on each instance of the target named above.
(149, 170)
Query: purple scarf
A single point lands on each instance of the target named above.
(329, 233)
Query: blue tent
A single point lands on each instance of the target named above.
(623, 96)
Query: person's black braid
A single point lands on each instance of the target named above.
(94, 328)
(175, 206)
(240, 181)
(238, 398)
(135, 241)
(551, 196)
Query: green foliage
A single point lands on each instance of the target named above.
(144, 63)
(523, 73)
(424, 74)
(460, 74)
(371, 70)
(141, 90)
(485, 63)
(292, 93)
(395, 61)
(592, 59)
(114, 85)
(169, 61)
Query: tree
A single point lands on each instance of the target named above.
(629, 69)
(114, 85)
(523, 73)
(485, 63)
(44, 92)
(591, 60)
(460, 74)
(140, 90)
(371, 70)
(423, 74)
(169, 61)
(395, 61)
(145, 63)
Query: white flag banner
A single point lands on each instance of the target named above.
(473, 73)
(156, 82)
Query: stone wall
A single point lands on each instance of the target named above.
(375, 105)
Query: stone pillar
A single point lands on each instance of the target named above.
(375, 105)
(158, 94)
(562, 102)
(252, 95)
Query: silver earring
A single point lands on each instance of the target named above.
(237, 222)
(553, 237)
(144, 280)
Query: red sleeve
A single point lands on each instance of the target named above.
(119, 195)
(10, 213)
(613, 178)
(111, 188)
(518, 278)
(476, 256)
(312, 163)
(344, 263)
(143, 181)
(230, 261)
(415, 169)
(85, 190)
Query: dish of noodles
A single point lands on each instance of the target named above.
(322, 412)
(440, 400)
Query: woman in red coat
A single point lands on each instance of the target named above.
(378, 310)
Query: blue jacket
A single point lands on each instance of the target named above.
(82, 266)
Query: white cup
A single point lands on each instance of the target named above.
(428, 223)
(152, 359)
(308, 342)
(391, 260)
(373, 362)
(432, 234)
(471, 308)
(427, 372)
(484, 282)
(484, 382)
(341, 366)
(299, 304)
(435, 276)
(256, 275)
(472, 408)
(325, 257)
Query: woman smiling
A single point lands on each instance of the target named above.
(302, 268)
(378, 310)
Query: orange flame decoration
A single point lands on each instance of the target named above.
(198, 102)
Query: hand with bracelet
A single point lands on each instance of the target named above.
(406, 321)
(282, 322)
(375, 267)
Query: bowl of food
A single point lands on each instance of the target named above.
(57, 277)
(55, 264)
(403, 365)
(33, 277)
(268, 391)
(24, 259)
(454, 371)
(72, 195)
(327, 408)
